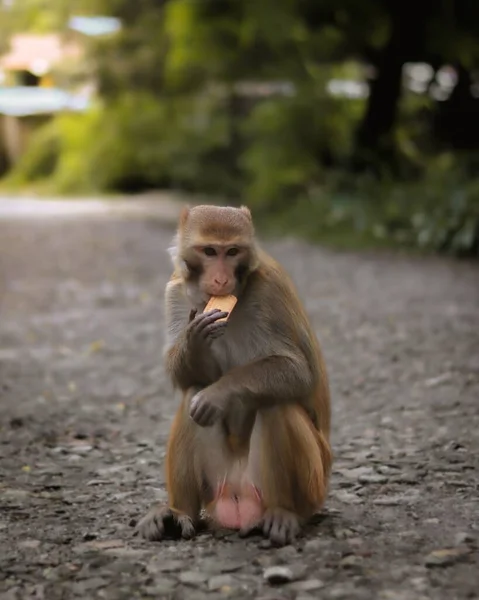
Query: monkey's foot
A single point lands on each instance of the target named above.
(279, 525)
(163, 521)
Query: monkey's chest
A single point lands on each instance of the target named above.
(239, 346)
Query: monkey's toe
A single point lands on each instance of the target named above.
(203, 412)
(161, 522)
(186, 526)
(281, 526)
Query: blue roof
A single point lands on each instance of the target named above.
(26, 101)
(95, 25)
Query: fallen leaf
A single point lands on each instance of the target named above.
(96, 346)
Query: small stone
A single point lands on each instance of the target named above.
(351, 561)
(347, 497)
(126, 552)
(308, 585)
(29, 544)
(164, 566)
(372, 478)
(265, 544)
(287, 553)
(215, 566)
(463, 538)
(162, 587)
(105, 544)
(408, 478)
(443, 558)
(83, 587)
(354, 474)
(437, 381)
(264, 561)
(81, 449)
(314, 545)
(344, 533)
(397, 499)
(192, 577)
(278, 575)
(220, 582)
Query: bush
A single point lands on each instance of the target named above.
(438, 212)
(288, 141)
(41, 156)
(134, 143)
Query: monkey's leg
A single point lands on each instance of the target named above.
(179, 517)
(289, 462)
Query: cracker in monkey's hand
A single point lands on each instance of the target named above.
(223, 303)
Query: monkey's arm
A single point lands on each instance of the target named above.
(188, 359)
(263, 383)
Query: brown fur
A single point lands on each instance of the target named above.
(265, 377)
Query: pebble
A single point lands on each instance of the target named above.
(80, 587)
(278, 575)
(192, 577)
(308, 585)
(214, 565)
(287, 553)
(164, 566)
(315, 545)
(372, 478)
(463, 538)
(443, 558)
(347, 497)
(29, 544)
(351, 561)
(162, 587)
(220, 582)
(395, 499)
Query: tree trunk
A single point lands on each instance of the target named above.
(374, 139)
(457, 119)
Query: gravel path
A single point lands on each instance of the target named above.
(86, 407)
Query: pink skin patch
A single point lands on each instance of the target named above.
(238, 511)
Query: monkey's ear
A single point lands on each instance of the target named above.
(185, 211)
(246, 211)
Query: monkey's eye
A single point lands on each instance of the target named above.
(232, 252)
(209, 251)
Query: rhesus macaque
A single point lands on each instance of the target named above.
(250, 441)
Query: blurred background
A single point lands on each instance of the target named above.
(352, 123)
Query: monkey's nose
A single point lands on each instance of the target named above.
(221, 282)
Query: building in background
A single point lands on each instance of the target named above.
(42, 75)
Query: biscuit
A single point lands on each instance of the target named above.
(223, 303)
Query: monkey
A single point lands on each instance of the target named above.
(249, 444)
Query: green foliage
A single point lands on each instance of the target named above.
(135, 142)
(41, 156)
(287, 138)
(438, 212)
(170, 113)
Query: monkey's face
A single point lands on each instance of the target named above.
(216, 269)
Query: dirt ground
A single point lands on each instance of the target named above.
(86, 408)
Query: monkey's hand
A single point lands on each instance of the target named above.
(204, 328)
(162, 521)
(207, 407)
